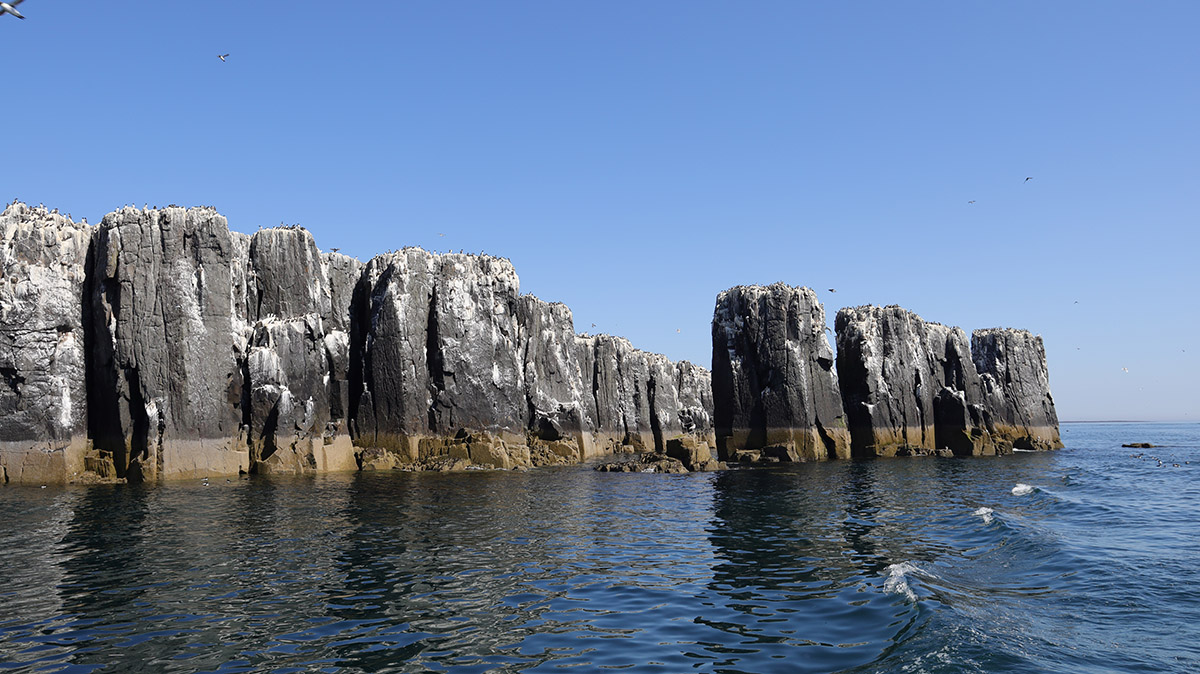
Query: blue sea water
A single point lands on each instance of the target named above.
(1082, 560)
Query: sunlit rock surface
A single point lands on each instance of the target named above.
(775, 390)
(43, 400)
(1016, 387)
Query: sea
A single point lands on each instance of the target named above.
(1085, 559)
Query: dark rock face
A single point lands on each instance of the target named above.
(909, 386)
(295, 361)
(43, 401)
(775, 391)
(162, 321)
(1016, 387)
(912, 387)
(448, 344)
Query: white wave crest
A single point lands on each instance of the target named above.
(897, 582)
(1022, 489)
(985, 513)
(1018, 449)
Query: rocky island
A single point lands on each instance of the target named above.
(159, 344)
(901, 385)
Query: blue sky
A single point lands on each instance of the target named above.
(634, 159)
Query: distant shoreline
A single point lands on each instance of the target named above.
(1132, 421)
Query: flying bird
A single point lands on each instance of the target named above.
(1029, 178)
(440, 234)
(676, 329)
(222, 57)
(832, 290)
(334, 249)
(9, 8)
(1125, 370)
(971, 201)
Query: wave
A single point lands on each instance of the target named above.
(985, 513)
(1022, 489)
(897, 580)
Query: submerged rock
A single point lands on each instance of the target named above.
(775, 391)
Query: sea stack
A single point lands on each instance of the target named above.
(775, 390)
(1016, 387)
(907, 386)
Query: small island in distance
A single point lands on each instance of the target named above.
(161, 345)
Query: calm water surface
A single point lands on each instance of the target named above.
(1082, 560)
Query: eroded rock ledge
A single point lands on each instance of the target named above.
(901, 385)
(159, 344)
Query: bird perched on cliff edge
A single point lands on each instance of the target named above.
(8, 8)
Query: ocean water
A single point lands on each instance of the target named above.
(1081, 560)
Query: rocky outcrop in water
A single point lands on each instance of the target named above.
(907, 386)
(775, 390)
(159, 344)
(1016, 387)
(43, 400)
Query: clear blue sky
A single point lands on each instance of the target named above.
(634, 159)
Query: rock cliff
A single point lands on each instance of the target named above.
(1016, 387)
(43, 399)
(907, 386)
(910, 387)
(159, 344)
(775, 390)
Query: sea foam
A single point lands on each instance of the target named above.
(897, 581)
(986, 514)
(1022, 489)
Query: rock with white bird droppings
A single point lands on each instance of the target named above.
(162, 365)
(1016, 387)
(775, 390)
(43, 401)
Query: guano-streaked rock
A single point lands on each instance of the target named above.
(1016, 387)
(163, 366)
(43, 400)
(775, 390)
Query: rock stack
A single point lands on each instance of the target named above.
(906, 386)
(775, 390)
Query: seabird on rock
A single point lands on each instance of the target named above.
(222, 57)
(8, 8)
